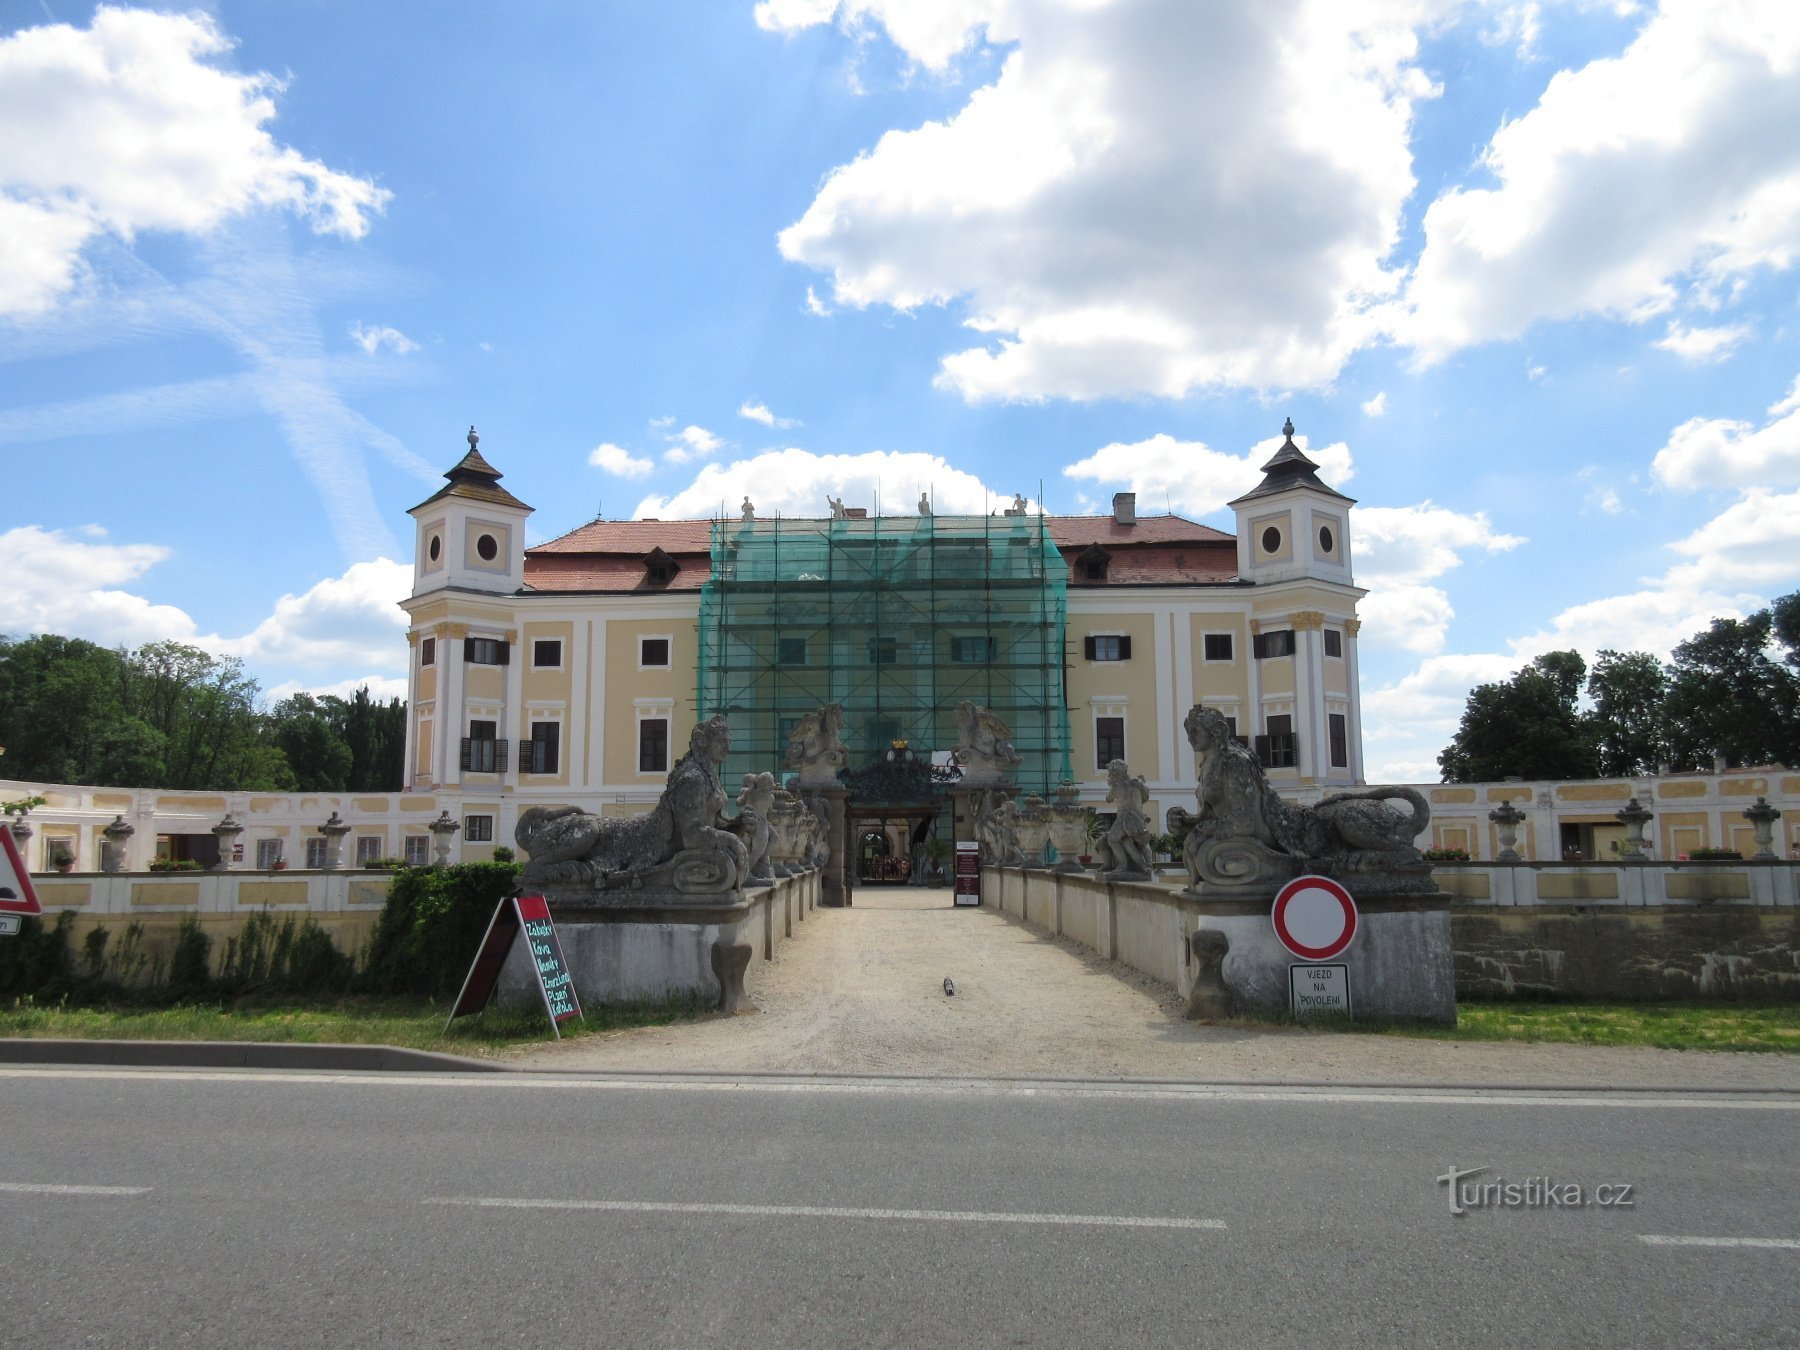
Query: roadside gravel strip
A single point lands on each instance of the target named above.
(860, 991)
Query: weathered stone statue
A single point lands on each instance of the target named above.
(815, 750)
(680, 846)
(754, 824)
(1123, 852)
(996, 829)
(1244, 835)
(1033, 829)
(985, 749)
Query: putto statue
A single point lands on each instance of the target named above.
(1123, 852)
(754, 824)
(1245, 835)
(815, 750)
(679, 846)
(985, 749)
(997, 831)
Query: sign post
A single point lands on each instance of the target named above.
(17, 897)
(530, 915)
(968, 872)
(1315, 918)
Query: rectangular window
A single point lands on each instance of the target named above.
(653, 745)
(481, 753)
(315, 853)
(1339, 724)
(972, 650)
(487, 652)
(653, 651)
(268, 853)
(545, 739)
(790, 651)
(1334, 643)
(418, 850)
(1278, 643)
(1278, 748)
(478, 829)
(883, 651)
(428, 651)
(1218, 646)
(546, 653)
(1109, 740)
(368, 849)
(1107, 647)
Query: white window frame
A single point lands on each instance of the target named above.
(656, 637)
(648, 709)
(1117, 639)
(482, 834)
(1227, 633)
(268, 853)
(366, 855)
(562, 653)
(315, 854)
(416, 849)
(1110, 705)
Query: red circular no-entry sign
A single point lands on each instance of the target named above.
(1314, 917)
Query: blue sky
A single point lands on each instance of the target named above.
(1521, 273)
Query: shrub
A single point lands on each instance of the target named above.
(266, 957)
(36, 960)
(431, 926)
(502, 853)
(1716, 855)
(175, 865)
(190, 964)
(1446, 855)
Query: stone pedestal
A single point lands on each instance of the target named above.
(837, 882)
(113, 841)
(334, 831)
(226, 832)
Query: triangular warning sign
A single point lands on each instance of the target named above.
(16, 894)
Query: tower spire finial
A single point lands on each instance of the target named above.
(473, 438)
(1287, 428)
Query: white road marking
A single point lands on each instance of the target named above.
(1661, 1240)
(1631, 1098)
(45, 1188)
(829, 1212)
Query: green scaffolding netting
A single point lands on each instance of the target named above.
(897, 619)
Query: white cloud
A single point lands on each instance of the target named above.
(1700, 346)
(796, 482)
(815, 306)
(1195, 479)
(759, 412)
(131, 125)
(1601, 495)
(1147, 199)
(1377, 406)
(1721, 452)
(372, 339)
(690, 443)
(1398, 551)
(1406, 723)
(1671, 165)
(931, 32)
(59, 584)
(349, 620)
(615, 459)
(381, 688)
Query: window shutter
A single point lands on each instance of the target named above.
(468, 649)
(505, 653)
(467, 752)
(500, 748)
(1087, 648)
(1124, 649)
(1262, 750)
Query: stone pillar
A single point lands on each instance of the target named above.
(443, 830)
(226, 832)
(334, 831)
(1762, 818)
(837, 878)
(1633, 817)
(1507, 818)
(112, 844)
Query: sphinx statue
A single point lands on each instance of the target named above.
(815, 751)
(1244, 835)
(984, 748)
(682, 845)
(1123, 852)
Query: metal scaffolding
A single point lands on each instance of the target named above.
(897, 619)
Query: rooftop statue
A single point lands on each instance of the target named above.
(680, 846)
(815, 750)
(985, 749)
(1244, 834)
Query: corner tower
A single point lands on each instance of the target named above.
(471, 532)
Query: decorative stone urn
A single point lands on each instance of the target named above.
(112, 844)
(1069, 827)
(226, 832)
(1633, 817)
(334, 831)
(1762, 818)
(1033, 829)
(443, 830)
(1507, 818)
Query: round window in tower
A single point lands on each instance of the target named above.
(1325, 540)
(487, 548)
(434, 548)
(1271, 540)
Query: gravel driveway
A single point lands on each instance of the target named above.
(860, 991)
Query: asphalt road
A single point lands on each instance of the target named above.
(241, 1208)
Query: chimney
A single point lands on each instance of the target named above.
(1125, 508)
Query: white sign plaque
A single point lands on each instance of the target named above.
(1319, 989)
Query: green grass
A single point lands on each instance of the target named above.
(413, 1023)
(1670, 1026)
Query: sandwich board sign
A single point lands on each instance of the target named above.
(17, 897)
(530, 915)
(1315, 918)
(968, 873)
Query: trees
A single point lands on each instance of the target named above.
(1628, 690)
(1527, 726)
(1727, 696)
(170, 715)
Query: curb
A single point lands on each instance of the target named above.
(326, 1058)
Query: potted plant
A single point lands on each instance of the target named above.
(279, 865)
(61, 859)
